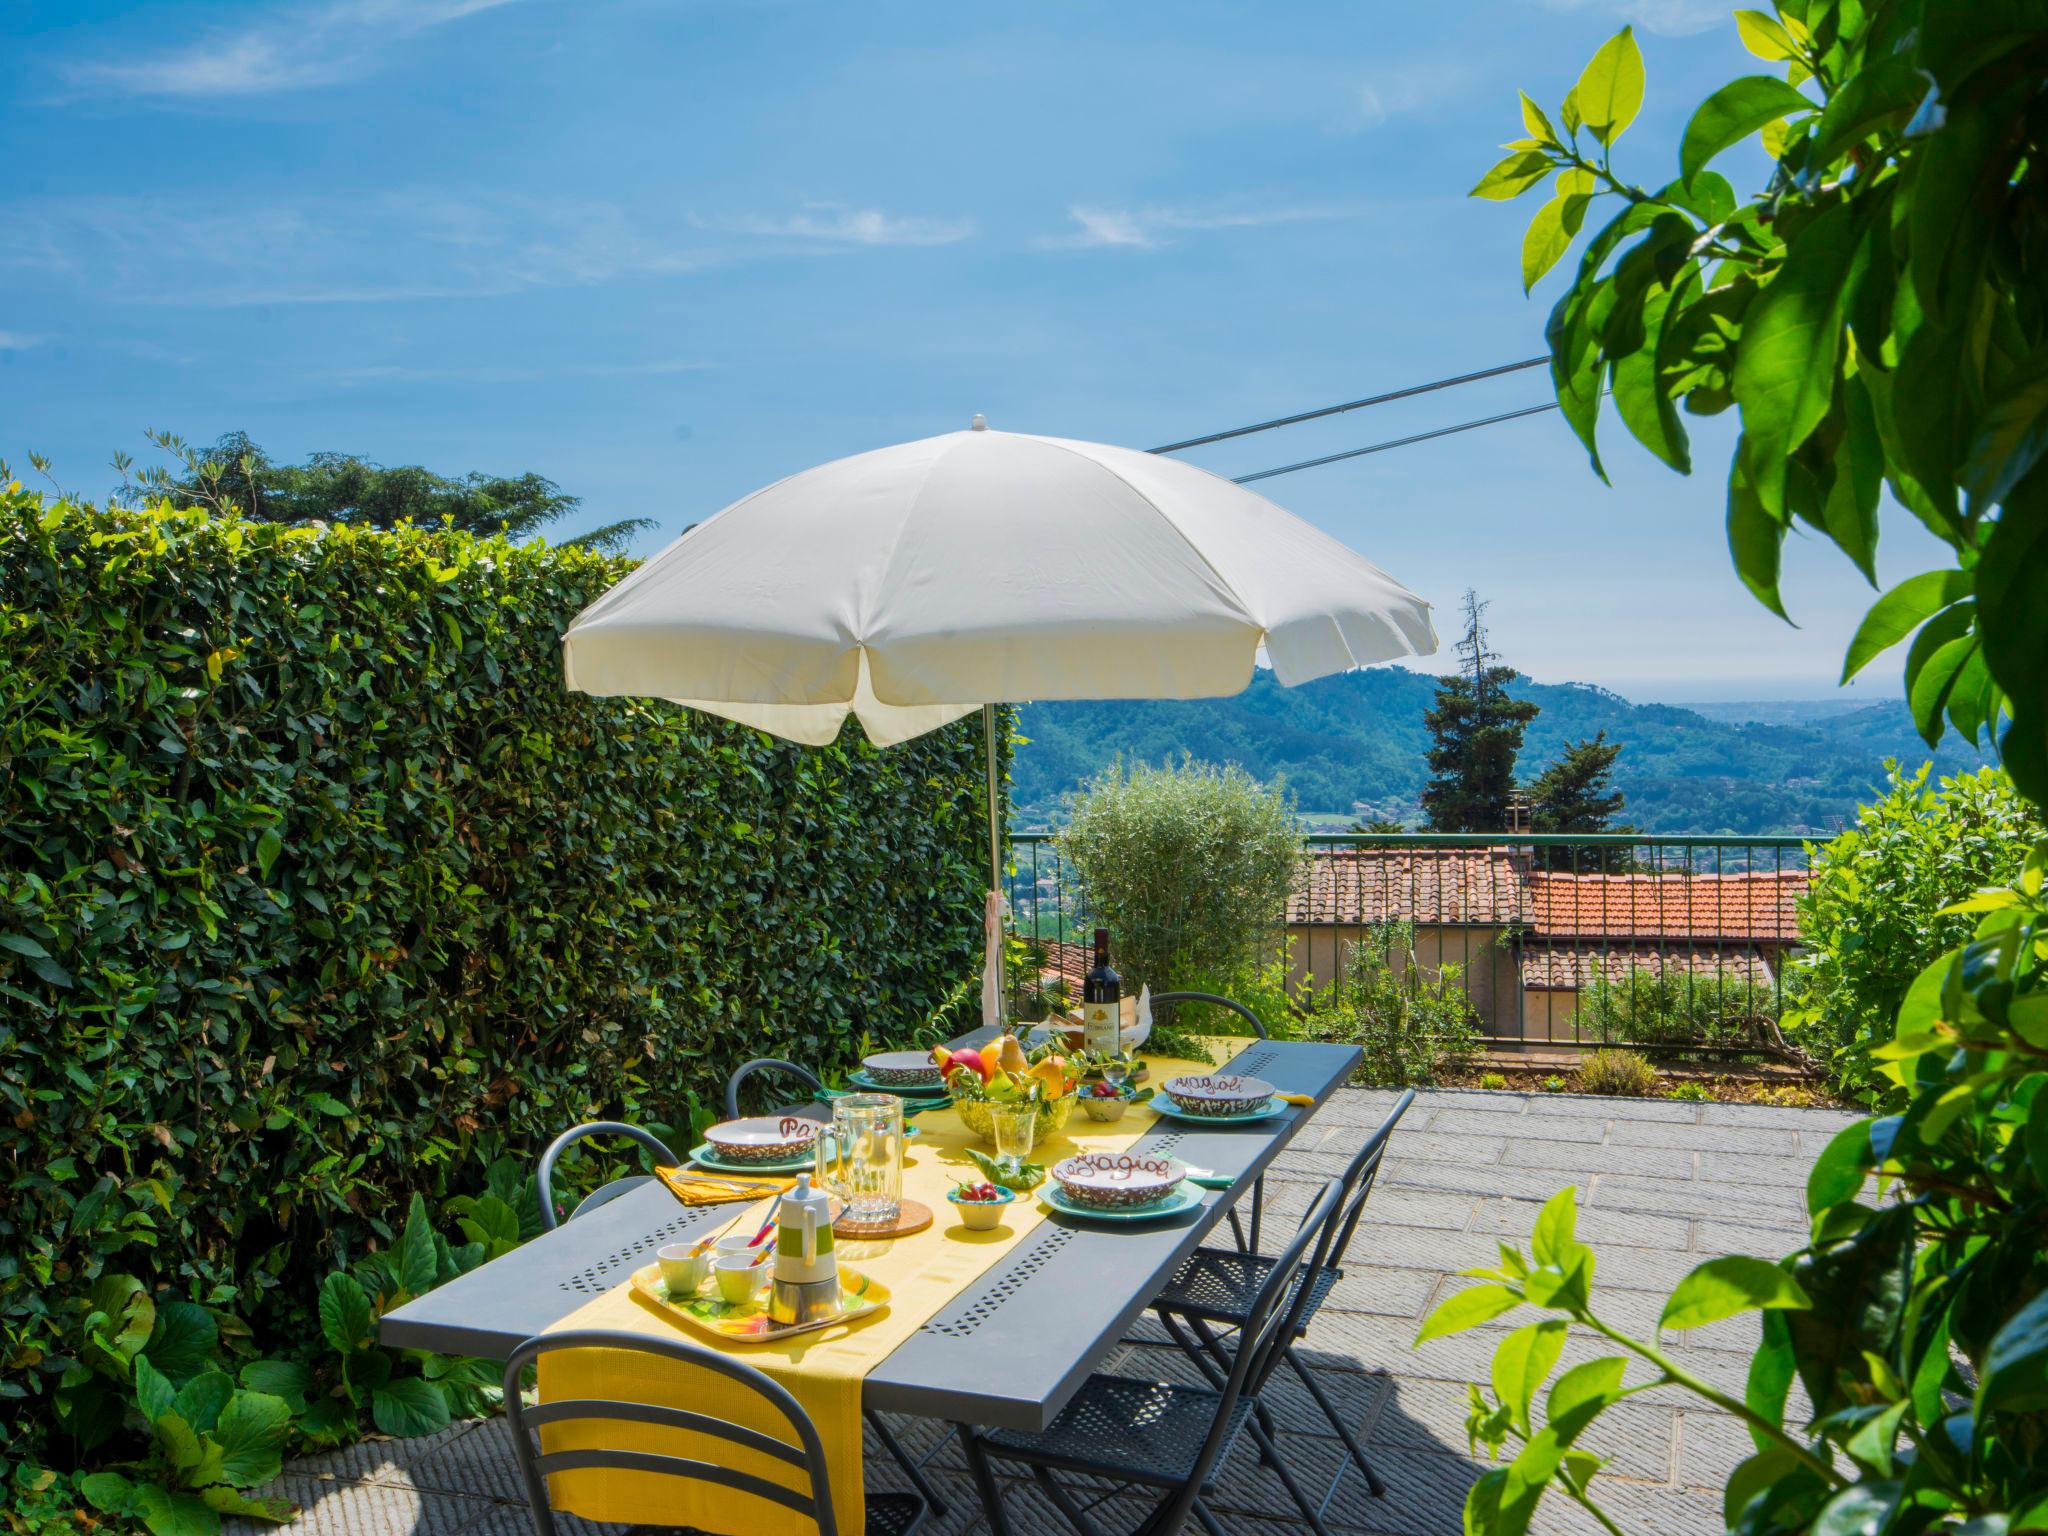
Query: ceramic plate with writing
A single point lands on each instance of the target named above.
(1184, 1198)
(1272, 1110)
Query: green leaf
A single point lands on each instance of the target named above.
(1551, 1240)
(1755, 538)
(1550, 234)
(1731, 115)
(1752, 1477)
(2012, 435)
(22, 944)
(1528, 1474)
(201, 1399)
(1869, 99)
(1609, 92)
(1723, 1287)
(1467, 1309)
(1850, 511)
(2016, 1366)
(252, 1430)
(1769, 1382)
(224, 1500)
(109, 1492)
(1838, 1173)
(184, 1340)
(1522, 1362)
(1582, 1393)
(1641, 398)
(1763, 36)
(1873, 1445)
(175, 1514)
(1511, 177)
(344, 1313)
(194, 1462)
(268, 847)
(1936, 655)
(2035, 1137)
(408, 1407)
(1863, 1509)
(1785, 369)
(286, 1380)
(154, 1394)
(413, 1259)
(1537, 124)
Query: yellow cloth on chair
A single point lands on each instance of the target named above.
(822, 1370)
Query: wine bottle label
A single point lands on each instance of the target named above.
(1101, 1032)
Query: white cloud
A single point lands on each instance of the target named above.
(289, 50)
(17, 341)
(1149, 228)
(1671, 18)
(403, 245)
(835, 223)
(1408, 89)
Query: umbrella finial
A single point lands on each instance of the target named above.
(979, 424)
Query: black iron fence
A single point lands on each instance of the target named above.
(1674, 944)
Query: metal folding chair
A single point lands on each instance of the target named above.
(888, 1514)
(1217, 1288)
(603, 1193)
(1163, 1437)
(805, 1078)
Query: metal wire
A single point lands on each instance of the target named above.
(1350, 405)
(1399, 442)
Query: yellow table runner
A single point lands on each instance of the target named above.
(822, 1370)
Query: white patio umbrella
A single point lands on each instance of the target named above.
(913, 585)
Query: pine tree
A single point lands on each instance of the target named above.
(1577, 794)
(1478, 730)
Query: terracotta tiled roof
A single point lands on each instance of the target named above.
(1568, 968)
(1442, 887)
(1755, 908)
(1066, 963)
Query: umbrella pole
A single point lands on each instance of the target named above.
(995, 858)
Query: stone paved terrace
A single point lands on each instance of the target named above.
(1663, 1186)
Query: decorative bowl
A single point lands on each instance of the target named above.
(763, 1139)
(1105, 1110)
(1116, 1180)
(982, 1215)
(1053, 1115)
(901, 1069)
(1217, 1094)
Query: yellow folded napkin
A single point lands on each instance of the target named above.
(694, 1187)
(1296, 1098)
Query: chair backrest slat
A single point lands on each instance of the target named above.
(1257, 1339)
(1168, 1000)
(1363, 1170)
(576, 1133)
(803, 1450)
(602, 1460)
(803, 1075)
(657, 1413)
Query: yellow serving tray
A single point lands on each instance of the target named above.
(748, 1322)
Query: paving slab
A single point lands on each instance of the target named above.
(1663, 1186)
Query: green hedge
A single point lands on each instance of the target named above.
(317, 889)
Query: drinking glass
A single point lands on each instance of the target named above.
(860, 1159)
(1116, 1072)
(1016, 1129)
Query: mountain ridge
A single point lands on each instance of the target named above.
(1359, 739)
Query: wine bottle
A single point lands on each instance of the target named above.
(1102, 1003)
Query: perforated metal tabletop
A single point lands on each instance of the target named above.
(1008, 1352)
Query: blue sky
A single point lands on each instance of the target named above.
(664, 251)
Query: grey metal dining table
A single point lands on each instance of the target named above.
(1051, 1310)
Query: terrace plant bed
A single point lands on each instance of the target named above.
(1759, 1083)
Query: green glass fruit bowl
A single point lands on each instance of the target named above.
(1053, 1115)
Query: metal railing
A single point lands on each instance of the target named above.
(1674, 944)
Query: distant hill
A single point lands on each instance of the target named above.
(1359, 738)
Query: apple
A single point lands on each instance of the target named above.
(972, 1059)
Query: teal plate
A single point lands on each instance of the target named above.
(1183, 1199)
(861, 1079)
(1273, 1110)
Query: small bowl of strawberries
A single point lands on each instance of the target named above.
(980, 1204)
(1104, 1102)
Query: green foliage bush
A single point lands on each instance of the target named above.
(1875, 915)
(1412, 1021)
(1639, 1006)
(1189, 866)
(1622, 1073)
(318, 891)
